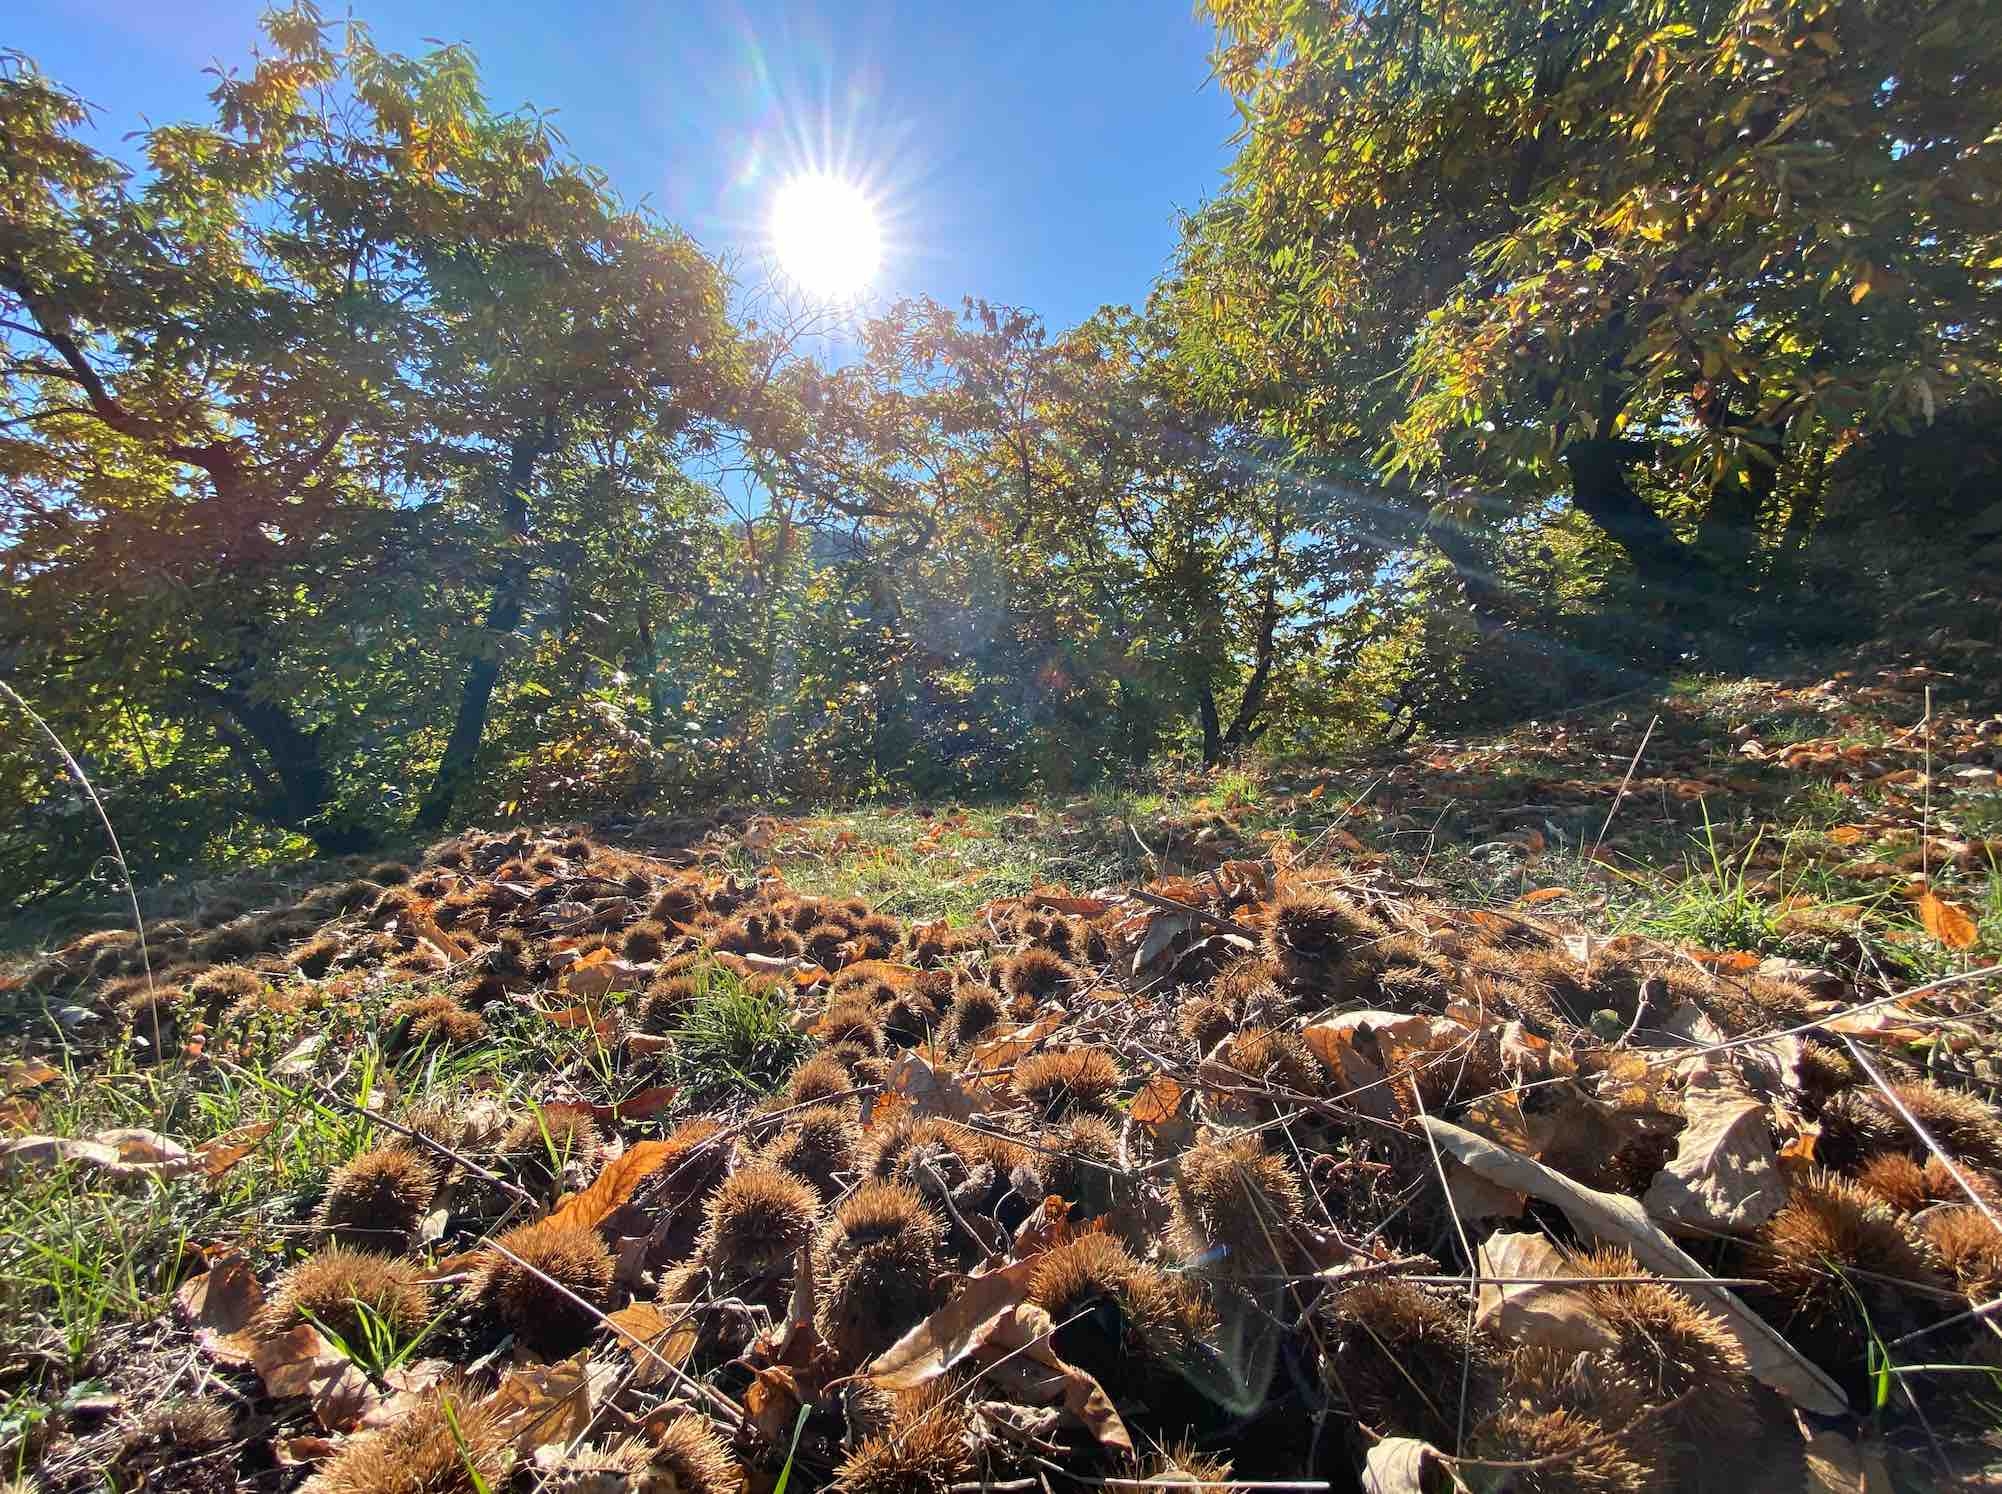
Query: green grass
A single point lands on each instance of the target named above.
(735, 1037)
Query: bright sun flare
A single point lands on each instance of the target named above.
(824, 232)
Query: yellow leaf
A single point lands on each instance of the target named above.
(1849, 835)
(1317, 790)
(1949, 924)
(1861, 290)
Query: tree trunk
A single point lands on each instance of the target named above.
(1485, 598)
(1729, 534)
(504, 615)
(1600, 491)
(296, 790)
(1243, 726)
(1212, 727)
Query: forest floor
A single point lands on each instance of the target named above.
(1211, 1132)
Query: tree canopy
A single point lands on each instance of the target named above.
(367, 465)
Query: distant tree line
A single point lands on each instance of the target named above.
(367, 466)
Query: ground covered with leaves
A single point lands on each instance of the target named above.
(1544, 1113)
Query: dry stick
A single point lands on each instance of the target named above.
(1201, 915)
(1620, 797)
(727, 1408)
(1473, 1272)
(1905, 1114)
(1925, 813)
(1857, 1010)
(520, 1195)
(117, 851)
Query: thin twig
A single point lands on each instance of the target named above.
(117, 851)
(1202, 915)
(727, 1408)
(1620, 797)
(1918, 1130)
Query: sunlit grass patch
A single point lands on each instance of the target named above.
(736, 1036)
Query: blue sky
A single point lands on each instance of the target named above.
(1034, 153)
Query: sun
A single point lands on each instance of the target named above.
(825, 235)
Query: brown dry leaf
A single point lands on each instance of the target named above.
(32, 1073)
(612, 1187)
(643, 1106)
(225, 1151)
(1849, 835)
(1406, 1465)
(1837, 1465)
(773, 1400)
(954, 1331)
(293, 1452)
(1542, 895)
(1021, 1336)
(1317, 790)
(1723, 1175)
(1888, 1022)
(1537, 1316)
(547, 1403)
(1156, 938)
(422, 926)
(929, 1091)
(1619, 1220)
(303, 1364)
(224, 1298)
(17, 1114)
(1946, 922)
(591, 978)
(1007, 1049)
(1158, 1102)
(1726, 961)
(672, 1339)
(1047, 1227)
(125, 1155)
(1474, 1197)
(1058, 901)
(646, 1044)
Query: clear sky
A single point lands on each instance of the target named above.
(1030, 151)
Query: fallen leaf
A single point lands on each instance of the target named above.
(1946, 922)
(547, 1403)
(123, 1154)
(1620, 1220)
(302, 1364)
(299, 1060)
(224, 1298)
(1021, 1337)
(990, 1059)
(614, 1185)
(1542, 895)
(1729, 961)
(291, 1452)
(929, 1091)
(1537, 1316)
(1406, 1465)
(224, 1152)
(1474, 1197)
(1063, 902)
(27, 1074)
(949, 1335)
(1158, 1102)
(1723, 1175)
(1849, 835)
(590, 979)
